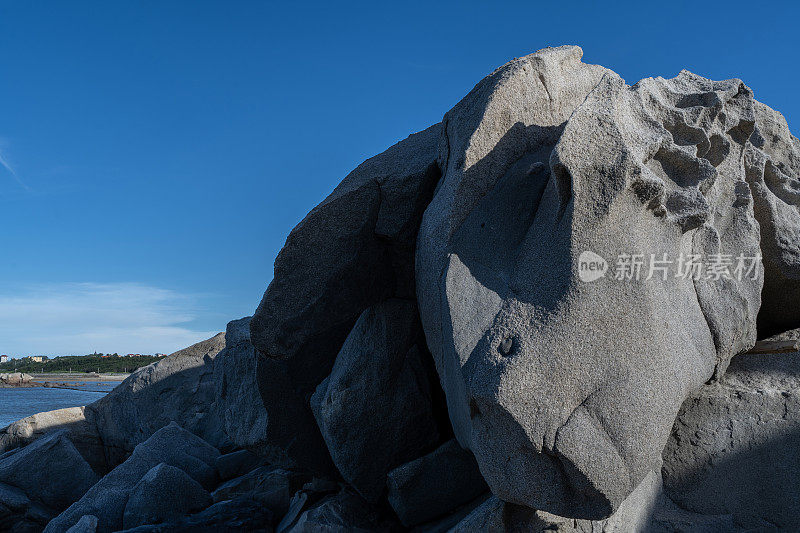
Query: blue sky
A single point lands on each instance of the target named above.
(154, 155)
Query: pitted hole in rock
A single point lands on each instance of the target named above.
(474, 410)
(506, 346)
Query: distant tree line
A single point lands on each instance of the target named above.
(80, 363)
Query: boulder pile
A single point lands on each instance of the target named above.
(537, 315)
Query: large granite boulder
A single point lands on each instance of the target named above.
(375, 409)
(239, 514)
(272, 487)
(566, 386)
(163, 493)
(342, 512)
(50, 471)
(107, 499)
(179, 388)
(635, 515)
(81, 433)
(734, 448)
(434, 484)
(774, 178)
(15, 379)
(237, 400)
(353, 250)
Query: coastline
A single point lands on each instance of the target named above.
(78, 376)
(64, 380)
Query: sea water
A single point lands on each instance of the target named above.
(19, 402)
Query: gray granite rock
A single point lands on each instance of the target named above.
(733, 450)
(164, 492)
(178, 388)
(239, 514)
(236, 463)
(343, 512)
(375, 410)
(87, 524)
(353, 250)
(435, 484)
(272, 487)
(774, 177)
(242, 411)
(545, 159)
(635, 515)
(50, 471)
(15, 378)
(81, 433)
(250, 386)
(107, 498)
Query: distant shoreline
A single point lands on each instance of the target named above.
(66, 380)
(78, 376)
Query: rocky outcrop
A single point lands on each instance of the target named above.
(353, 250)
(163, 493)
(578, 260)
(375, 410)
(50, 471)
(272, 487)
(15, 379)
(434, 484)
(342, 512)
(72, 419)
(237, 400)
(636, 514)
(549, 158)
(236, 464)
(773, 174)
(87, 524)
(733, 450)
(179, 388)
(107, 499)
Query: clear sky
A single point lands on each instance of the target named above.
(156, 154)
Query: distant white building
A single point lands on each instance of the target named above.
(3, 359)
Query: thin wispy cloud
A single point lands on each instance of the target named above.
(80, 318)
(4, 162)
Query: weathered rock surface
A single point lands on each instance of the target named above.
(87, 524)
(434, 484)
(50, 471)
(236, 463)
(223, 517)
(272, 487)
(164, 492)
(179, 388)
(733, 450)
(19, 513)
(548, 158)
(241, 409)
(375, 409)
(353, 250)
(343, 512)
(774, 178)
(81, 433)
(108, 497)
(633, 516)
(15, 379)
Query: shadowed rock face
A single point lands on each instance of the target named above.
(566, 390)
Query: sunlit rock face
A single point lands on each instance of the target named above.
(566, 390)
